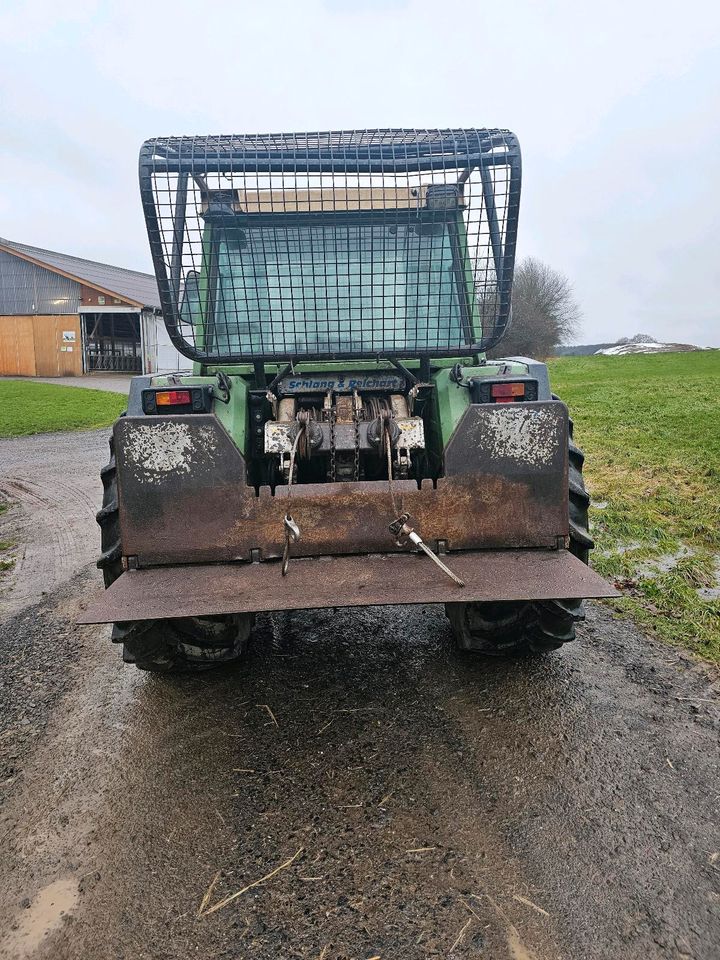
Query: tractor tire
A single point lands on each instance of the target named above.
(164, 646)
(507, 629)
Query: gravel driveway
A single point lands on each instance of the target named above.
(52, 482)
(114, 382)
(395, 799)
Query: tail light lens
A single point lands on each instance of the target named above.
(187, 400)
(504, 390)
(507, 392)
(172, 398)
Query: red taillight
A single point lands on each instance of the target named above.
(507, 392)
(172, 398)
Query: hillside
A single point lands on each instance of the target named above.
(640, 343)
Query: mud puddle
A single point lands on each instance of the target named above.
(41, 918)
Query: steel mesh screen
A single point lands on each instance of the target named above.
(397, 243)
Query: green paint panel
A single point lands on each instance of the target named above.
(328, 366)
(233, 416)
(452, 400)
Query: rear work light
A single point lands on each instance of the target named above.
(503, 390)
(186, 400)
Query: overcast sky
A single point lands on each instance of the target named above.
(616, 105)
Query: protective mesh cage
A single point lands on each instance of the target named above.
(356, 244)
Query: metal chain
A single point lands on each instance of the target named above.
(290, 528)
(356, 428)
(387, 441)
(331, 420)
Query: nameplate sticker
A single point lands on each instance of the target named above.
(341, 383)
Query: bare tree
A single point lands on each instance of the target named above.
(544, 311)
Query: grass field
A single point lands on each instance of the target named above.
(650, 428)
(27, 407)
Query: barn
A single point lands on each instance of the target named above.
(62, 315)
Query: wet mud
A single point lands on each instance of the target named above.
(432, 805)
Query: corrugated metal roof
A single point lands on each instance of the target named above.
(128, 284)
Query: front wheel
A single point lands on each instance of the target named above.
(184, 644)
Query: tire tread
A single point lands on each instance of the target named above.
(523, 628)
(161, 646)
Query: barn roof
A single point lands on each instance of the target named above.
(139, 288)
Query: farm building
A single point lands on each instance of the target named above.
(65, 316)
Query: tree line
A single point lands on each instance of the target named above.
(545, 313)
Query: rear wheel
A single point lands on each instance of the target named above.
(504, 629)
(172, 645)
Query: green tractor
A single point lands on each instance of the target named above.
(341, 438)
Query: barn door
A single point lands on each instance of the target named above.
(17, 347)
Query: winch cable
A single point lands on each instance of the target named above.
(303, 435)
(290, 528)
(400, 527)
(387, 445)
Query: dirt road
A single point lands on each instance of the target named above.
(52, 483)
(402, 801)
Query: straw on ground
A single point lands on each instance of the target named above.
(205, 911)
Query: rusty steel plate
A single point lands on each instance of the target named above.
(354, 581)
(183, 494)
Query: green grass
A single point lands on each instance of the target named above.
(27, 407)
(650, 428)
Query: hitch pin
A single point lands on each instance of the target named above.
(401, 528)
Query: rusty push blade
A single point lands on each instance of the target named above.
(345, 581)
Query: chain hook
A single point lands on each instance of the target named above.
(292, 535)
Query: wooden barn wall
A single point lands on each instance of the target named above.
(54, 356)
(41, 346)
(90, 297)
(17, 347)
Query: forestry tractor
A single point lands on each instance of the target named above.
(341, 438)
